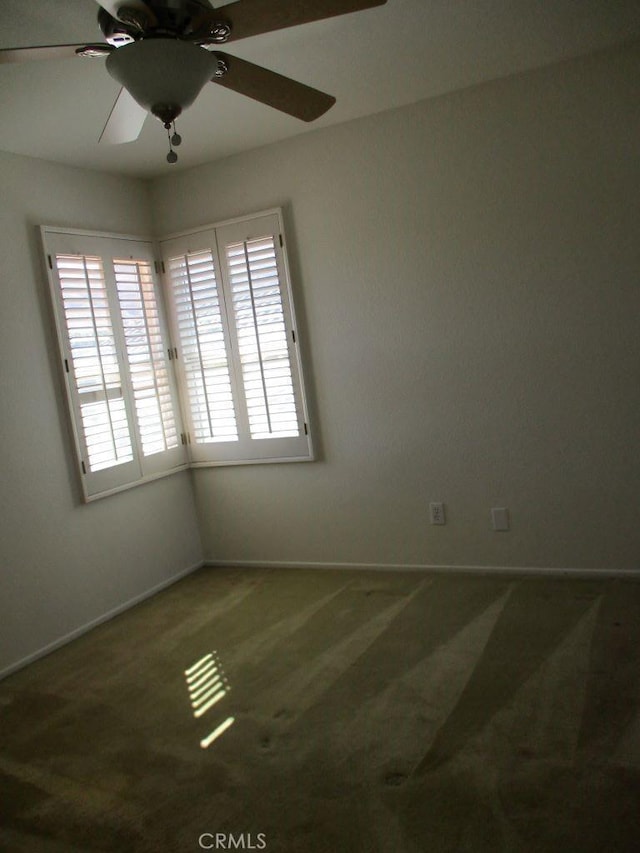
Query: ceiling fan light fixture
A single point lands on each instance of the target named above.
(163, 75)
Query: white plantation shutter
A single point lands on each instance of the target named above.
(115, 358)
(205, 362)
(239, 362)
(94, 361)
(146, 356)
(262, 338)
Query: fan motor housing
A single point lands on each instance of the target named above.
(171, 19)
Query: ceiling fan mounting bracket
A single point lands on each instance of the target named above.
(94, 50)
(219, 32)
(222, 67)
(116, 33)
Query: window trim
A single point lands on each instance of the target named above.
(162, 287)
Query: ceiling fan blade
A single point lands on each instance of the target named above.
(125, 120)
(27, 54)
(282, 93)
(252, 17)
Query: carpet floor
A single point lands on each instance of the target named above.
(335, 712)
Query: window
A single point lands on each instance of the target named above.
(115, 358)
(238, 360)
(233, 351)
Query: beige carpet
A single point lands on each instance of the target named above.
(307, 711)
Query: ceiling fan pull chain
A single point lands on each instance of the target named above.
(172, 157)
(176, 139)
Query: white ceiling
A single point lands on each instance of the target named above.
(371, 61)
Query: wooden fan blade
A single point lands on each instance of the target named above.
(282, 93)
(27, 54)
(125, 120)
(252, 17)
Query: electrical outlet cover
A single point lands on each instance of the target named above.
(436, 512)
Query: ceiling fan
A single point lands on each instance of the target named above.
(162, 52)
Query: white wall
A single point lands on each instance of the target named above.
(63, 563)
(466, 274)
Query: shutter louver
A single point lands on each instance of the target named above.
(202, 347)
(146, 356)
(103, 415)
(262, 338)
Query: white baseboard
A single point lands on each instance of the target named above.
(400, 567)
(78, 632)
